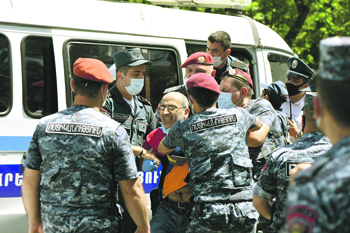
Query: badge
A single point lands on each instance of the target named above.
(294, 64)
(232, 72)
(201, 59)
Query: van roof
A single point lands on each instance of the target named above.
(134, 18)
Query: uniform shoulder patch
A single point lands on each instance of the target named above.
(74, 129)
(143, 100)
(291, 165)
(213, 122)
(301, 218)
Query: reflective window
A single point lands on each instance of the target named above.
(5, 79)
(39, 77)
(278, 65)
(163, 73)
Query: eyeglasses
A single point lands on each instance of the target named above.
(170, 108)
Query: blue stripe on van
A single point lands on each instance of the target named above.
(14, 143)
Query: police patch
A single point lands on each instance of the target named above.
(120, 116)
(74, 128)
(289, 167)
(301, 219)
(213, 122)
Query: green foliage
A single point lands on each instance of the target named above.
(323, 19)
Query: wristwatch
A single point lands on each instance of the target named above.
(299, 135)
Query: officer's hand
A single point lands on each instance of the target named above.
(294, 171)
(149, 165)
(293, 128)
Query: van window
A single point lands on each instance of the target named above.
(5, 79)
(163, 73)
(39, 77)
(278, 65)
(238, 53)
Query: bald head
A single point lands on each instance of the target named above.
(178, 105)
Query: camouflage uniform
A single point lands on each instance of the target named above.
(214, 143)
(274, 181)
(319, 200)
(263, 109)
(81, 155)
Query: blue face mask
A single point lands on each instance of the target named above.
(165, 130)
(225, 101)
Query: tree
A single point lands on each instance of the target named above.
(301, 23)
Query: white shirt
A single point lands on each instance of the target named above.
(131, 104)
(296, 112)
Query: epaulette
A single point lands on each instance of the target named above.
(143, 100)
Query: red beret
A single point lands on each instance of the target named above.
(198, 58)
(92, 69)
(240, 75)
(203, 80)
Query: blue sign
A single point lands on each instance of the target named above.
(10, 180)
(150, 180)
(11, 176)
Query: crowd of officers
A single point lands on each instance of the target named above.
(230, 163)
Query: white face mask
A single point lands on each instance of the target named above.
(225, 101)
(217, 61)
(135, 87)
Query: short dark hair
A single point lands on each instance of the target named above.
(222, 37)
(204, 97)
(335, 95)
(123, 69)
(239, 84)
(86, 87)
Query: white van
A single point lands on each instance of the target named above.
(41, 39)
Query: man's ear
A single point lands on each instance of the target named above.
(228, 52)
(187, 113)
(72, 85)
(306, 85)
(213, 73)
(120, 76)
(244, 92)
(105, 88)
(317, 107)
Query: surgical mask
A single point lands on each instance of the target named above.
(293, 90)
(165, 130)
(225, 100)
(135, 87)
(217, 61)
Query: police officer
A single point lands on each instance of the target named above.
(133, 112)
(237, 90)
(297, 76)
(319, 200)
(213, 141)
(274, 181)
(276, 93)
(219, 47)
(199, 62)
(79, 156)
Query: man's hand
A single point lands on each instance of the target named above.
(35, 228)
(150, 155)
(294, 171)
(149, 165)
(293, 128)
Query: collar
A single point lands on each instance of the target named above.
(118, 97)
(297, 103)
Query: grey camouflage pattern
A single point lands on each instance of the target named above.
(218, 161)
(79, 224)
(263, 109)
(224, 218)
(323, 190)
(334, 59)
(76, 170)
(309, 99)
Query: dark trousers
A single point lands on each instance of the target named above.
(128, 225)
